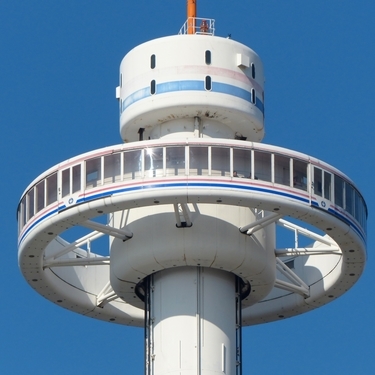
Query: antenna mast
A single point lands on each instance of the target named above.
(191, 15)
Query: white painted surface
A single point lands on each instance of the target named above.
(194, 311)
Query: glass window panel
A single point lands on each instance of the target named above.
(220, 161)
(40, 196)
(175, 161)
(65, 187)
(300, 174)
(262, 165)
(318, 185)
(23, 210)
(76, 178)
(154, 162)
(198, 161)
(30, 204)
(349, 198)
(339, 191)
(112, 168)
(52, 188)
(282, 170)
(93, 172)
(241, 163)
(19, 218)
(357, 206)
(132, 164)
(327, 185)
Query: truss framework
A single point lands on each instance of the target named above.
(183, 215)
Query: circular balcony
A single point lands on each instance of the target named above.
(66, 212)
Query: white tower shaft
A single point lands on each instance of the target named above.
(191, 325)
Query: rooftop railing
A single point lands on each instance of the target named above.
(196, 25)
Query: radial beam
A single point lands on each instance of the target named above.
(289, 274)
(107, 294)
(122, 234)
(74, 245)
(259, 224)
(307, 233)
(306, 251)
(292, 288)
(182, 210)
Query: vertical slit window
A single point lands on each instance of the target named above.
(207, 57)
(208, 83)
(253, 70)
(153, 87)
(153, 61)
(253, 97)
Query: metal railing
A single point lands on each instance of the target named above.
(196, 25)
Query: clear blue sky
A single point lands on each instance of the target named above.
(58, 72)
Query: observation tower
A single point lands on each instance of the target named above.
(177, 229)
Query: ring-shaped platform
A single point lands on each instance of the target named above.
(81, 283)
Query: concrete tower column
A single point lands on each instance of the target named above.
(191, 322)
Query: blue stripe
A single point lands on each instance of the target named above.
(190, 85)
(187, 184)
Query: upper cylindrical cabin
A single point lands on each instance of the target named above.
(186, 86)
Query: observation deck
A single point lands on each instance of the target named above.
(186, 175)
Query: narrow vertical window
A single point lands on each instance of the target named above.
(40, 196)
(30, 204)
(208, 83)
(318, 181)
(300, 174)
(208, 57)
(327, 185)
(253, 70)
(65, 185)
(153, 87)
(76, 178)
(253, 97)
(339, 191)
(52, 188)
(153, 61)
